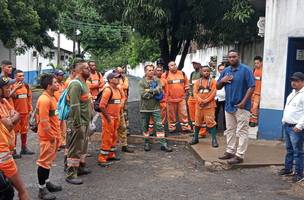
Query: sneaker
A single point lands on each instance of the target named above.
(297, 178)
(52, 187)
(284, 172)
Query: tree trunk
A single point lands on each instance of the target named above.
(164, 49)
(184, 54)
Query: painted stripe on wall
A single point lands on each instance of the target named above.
(270, 124)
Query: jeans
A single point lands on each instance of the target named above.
(294, 148)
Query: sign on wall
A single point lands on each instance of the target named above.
(300, 54)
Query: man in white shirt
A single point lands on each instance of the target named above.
(220, 98)
(293, 120)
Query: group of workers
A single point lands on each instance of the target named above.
(165, 97)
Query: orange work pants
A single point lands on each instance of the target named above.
(22, 126)
(192, 110)
(205, 117)
(47, 155)
(63, 128)
(255, 106)
(108, 138)
(179, 108)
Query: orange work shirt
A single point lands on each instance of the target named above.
(59, 91)
(163, 82)
(176, 86)
(95, 83)
(22, 99)
(47, 117)
(258, 80)
(5, 109)
(204, 91)
(113, 105)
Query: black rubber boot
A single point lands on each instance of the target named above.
(52, 187)
(214, 142)
(16, 156)
(166, 148)
(147, 145)
(126, 149)
(44, 194)
(72, 176)
(83, 170)
(195, 136)
(26, 151)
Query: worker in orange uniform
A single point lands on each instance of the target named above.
(22, 98)
(6, 71)
(194, 76)
(72, 75)
(8, 120)
(176, 91)
(49, 136)
(256, 97)
(204, 91)
(96, 82)
(163, 103)
(110, 106)
(59, 75)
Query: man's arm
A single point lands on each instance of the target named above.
(44, 106)
(211, 97)
(107, 93)
(74, 95)
(143, 91)
(251, 86)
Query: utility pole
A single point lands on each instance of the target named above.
(58, 49)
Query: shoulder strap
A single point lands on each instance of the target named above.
(191, 75)
(167, 73)
(184, 74)
(76, 80)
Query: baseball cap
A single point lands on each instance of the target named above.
(113, 75)
(59, 73)
(6, 81)
(297, 76)
(196, 61)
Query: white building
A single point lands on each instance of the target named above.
(31, 62)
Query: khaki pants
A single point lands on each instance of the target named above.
(237, 129)
(122, 130)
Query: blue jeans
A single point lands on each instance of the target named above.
(294, 148)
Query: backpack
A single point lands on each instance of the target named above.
(158, 96)
(62, 106)
(98, 99)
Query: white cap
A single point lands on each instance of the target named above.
(196, 61)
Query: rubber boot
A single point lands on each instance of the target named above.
(26, 151)
(212, 131)
(72, 177)
(195, 136)
(65, 163)
(52, 187)
(147, 145)
(83, 170)
(44, 194)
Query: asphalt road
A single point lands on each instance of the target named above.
(157, 175)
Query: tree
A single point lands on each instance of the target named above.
(29, 21)
(175, 23)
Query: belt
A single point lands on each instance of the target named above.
(290, 125)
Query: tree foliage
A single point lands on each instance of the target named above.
(29, 21)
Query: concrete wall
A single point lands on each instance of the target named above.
(7, 54)
(284, 19)
(247, 53)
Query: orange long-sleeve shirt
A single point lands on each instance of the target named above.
(47, 119)
(7, 138)
(113, 105)
(258, 80)
(22, 99)
(204, 93)
(59, 91)
(177, 85)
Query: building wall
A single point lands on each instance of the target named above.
(284, 19)
(7, 54)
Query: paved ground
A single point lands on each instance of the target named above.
(158, 175)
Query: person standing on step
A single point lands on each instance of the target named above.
(204, 92)
(293, 121)
(176, 91)
(239, 85)
(78, 124)
(150, 90)
(49, 136)
(256, 97)
(22, 98)
(194, 76)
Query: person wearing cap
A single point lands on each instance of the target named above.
(95, 80)
(110, 106)
(22, 98)
(293, 121)
(78, 98)
(149, 88)
(194, 76)
(239, 84)
(49, 136)
(256, 97)
(59, 75)
(8, 120)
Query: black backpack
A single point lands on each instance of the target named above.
(98, 99)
